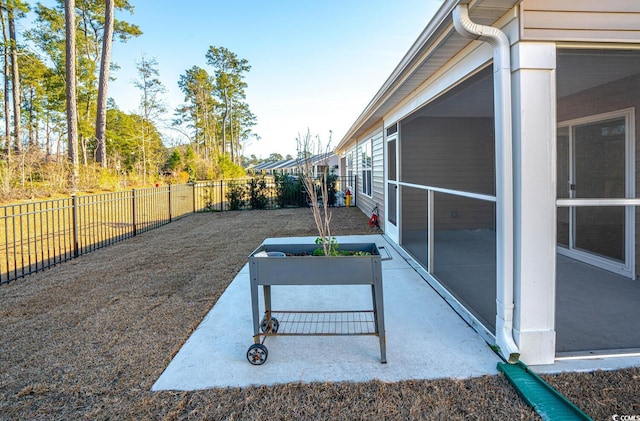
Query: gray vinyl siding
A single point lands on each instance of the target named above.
(364, 202)
(378, 177)
(580, 20)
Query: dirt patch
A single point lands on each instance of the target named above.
(88, 338)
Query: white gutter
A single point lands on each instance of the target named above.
(504, 173)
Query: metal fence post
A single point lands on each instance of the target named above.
(221, 197)
(193, 195)
(76, 228)
(133, 210)
(355, 190)
(170, 218)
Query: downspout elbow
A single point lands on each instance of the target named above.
(498, 39)
(504, 173)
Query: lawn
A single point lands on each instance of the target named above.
(88, 338)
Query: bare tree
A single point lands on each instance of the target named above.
(7, 116)
(105, 62)
(72, 106)
(318, 192)
(5, 171)
(15, 73)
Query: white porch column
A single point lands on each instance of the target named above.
(534, 132)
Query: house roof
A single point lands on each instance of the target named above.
(291, 163)
(288, 163)
(437, 44)
(320, 158)
(262, 165)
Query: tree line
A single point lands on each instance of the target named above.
(62, 132)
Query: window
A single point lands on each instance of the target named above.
(366, 167)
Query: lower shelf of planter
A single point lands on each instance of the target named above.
(327, 323)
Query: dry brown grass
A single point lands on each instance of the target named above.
(88, 338)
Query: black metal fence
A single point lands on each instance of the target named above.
(265, 193)
(37, 235)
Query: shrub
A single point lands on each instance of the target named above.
(331, 189)
(208, 194)
(235, 195)
(289, 190)
(258, 193)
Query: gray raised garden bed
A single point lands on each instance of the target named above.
(293, 264)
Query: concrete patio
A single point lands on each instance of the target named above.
(426, 338)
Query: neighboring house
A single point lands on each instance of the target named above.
(325, 162)
(502, 154)
(266, 167)
(288, 166)
(319, 163)
(260, 167)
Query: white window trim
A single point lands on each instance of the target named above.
(367, 144)
(628, 267)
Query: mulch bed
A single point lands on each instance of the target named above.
(88, 338)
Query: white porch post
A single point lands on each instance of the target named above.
(534, 152)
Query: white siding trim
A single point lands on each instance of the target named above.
(580, 20)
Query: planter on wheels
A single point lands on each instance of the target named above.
(294, 264)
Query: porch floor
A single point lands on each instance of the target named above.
(596, 310)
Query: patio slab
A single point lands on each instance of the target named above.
(426, 339)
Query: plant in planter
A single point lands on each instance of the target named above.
(335, 250)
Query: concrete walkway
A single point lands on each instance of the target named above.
(426, 339)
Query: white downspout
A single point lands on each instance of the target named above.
(504, 173)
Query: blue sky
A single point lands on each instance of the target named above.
(315, 64)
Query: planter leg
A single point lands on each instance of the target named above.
(255, 310)
(378, 313)
(267, 299)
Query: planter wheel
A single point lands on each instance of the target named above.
(271, 327)
(257, 354)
